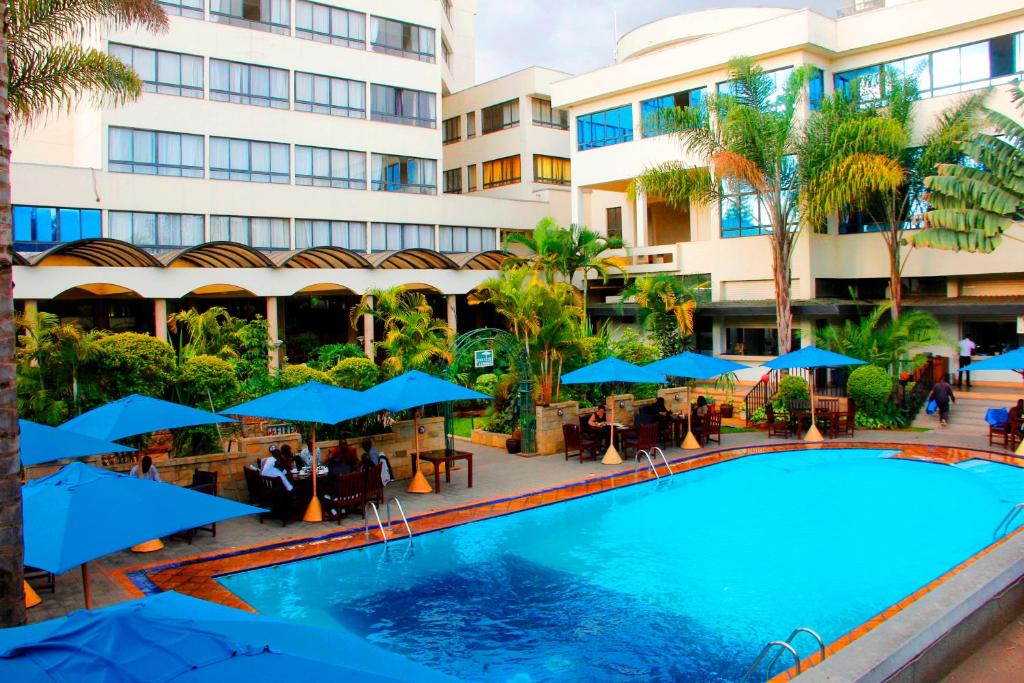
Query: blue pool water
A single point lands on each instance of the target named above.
(680, 580)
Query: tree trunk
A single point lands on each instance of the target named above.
(783, 303)
(895, 279)
(12, 592)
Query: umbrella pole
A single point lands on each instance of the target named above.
(419, 483)
(314, 513)
(690, 442)
(813, 434)
(85, 585)
(611, 456)
(148, 546)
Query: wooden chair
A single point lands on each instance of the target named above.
(282, 504)
(348, 495)
(375, 483)
(844, 424)
(643, 438)
(778, 425)
(1005, 435)
(254, 486)
(712, 430)
(40, 579)
(576, 439)
(203, 481)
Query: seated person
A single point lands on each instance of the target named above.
(337, 463)
(703, 407)
(1017, 414)
(599, 424)
(285, 459)
(304, 458)
(273, 467)
(148, 470)
(372, 456)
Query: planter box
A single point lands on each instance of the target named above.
(492, 439)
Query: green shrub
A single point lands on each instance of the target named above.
(791, 388)
(869, 387)
(130, 363)
(486, 384)
(355, 373)
(295, 375)
(205, 378)
(327, 356)
(301, 345)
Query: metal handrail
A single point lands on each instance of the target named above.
(1004, 526)
(794, 634)
(764, 652)
(636, 462)
(401, 511)
(663, 458)
(380, 524)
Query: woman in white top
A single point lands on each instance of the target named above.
(148, 471)
(272, 469)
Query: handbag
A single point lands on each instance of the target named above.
(931, 407)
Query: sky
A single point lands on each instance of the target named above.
(578, 35)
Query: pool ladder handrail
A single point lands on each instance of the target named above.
(1004, 526)
(380, 525)
(650, 461)
(785, 646)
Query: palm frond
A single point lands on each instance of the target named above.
(676, 184)
(40, 22)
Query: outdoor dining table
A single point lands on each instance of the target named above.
(448, 458)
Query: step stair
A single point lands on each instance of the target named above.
(967, 415)
(1006, 479)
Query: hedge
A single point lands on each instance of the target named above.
(296, 375)
(203, 378)
(355, 373)
(131, 363)
(869, 386)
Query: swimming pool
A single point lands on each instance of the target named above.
(683, 579)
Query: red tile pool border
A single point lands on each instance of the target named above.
(196, 575)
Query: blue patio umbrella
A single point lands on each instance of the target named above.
(693, 366)
(613, 370)
(170, 636)
(310, 402)
(811, 357)
(137, 414)
(40, 444)
(81, 513)
(1011, 360)
(414, 389)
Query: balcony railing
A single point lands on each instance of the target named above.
(661, 258)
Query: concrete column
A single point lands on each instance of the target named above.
(31, 307)
(640, 211)
(274, 356)
(368, 331)
(160, 319)
(577, 206)
(453, 316)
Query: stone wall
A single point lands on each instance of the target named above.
(549, 426)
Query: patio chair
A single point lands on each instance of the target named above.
(254, 486)
(40, 579)
(203, 481)
(643, 438)
(375, 483)
(778, 424)
(348, 495)
(282, 504)
(576, 439)
(712, 429)
(1005, 435)
(844, 424)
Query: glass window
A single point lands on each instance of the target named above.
(450, 130)
(327, 24)
(779, 78)
(471, 178)
(155, 152)
(37, 228)
(500, 116)
(330, 95)
(652, 109)
(553, 170)
(471, 125)
(545, 115)
(398, 236)
(261, 86)
(393, 173)
(453, 181)
(167, 73)
(446, 53)
(156, 230)
(613, 221)
(461, 240)
(262, 15)
(323, 167)
(742, 215)
(401, 39)
(249, 160)
(755, 341)
(320, 233)
(603, 128)
(505, 171)
(184, 8)
(261, 233)
(402, 105)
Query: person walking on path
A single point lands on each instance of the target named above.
(967, 347)
(942, 392)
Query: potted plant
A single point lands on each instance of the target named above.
(514, 443)
(728, 383)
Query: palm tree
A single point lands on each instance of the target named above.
(977, 201)
(514, 299)
(413, 337)
(884, 342)
(666, 309)
(583, 253)
(859, 158)
(46, 69)
(210, 333)
(546, 242)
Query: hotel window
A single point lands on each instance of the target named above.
(156, 230)
(167, 73)
(402, 105)
(184, 8)
(248, 160)
(344, 234)
(604, 128)
(459, 240)
(393, 173)
(326, 24)
(329, 95)
(261, 15)
(453, 181)
(446, 53)
(943, 72)
(613, 221)
(402, 40)
(552, 170)
(471, 125)
(505, 171)
(450, 130)
(545, 115)
(323, 167)
(37, 228)
(398, 236)
(500, 116)
(742, 215)
(471, 178)
(155, 153)
(261, 233)
(261, 86)
(652, 109)
(756, 341)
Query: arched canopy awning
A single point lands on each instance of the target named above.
(97, 251)
(320, 257)
(218, 255)
(412, 259)
(484, 260)
(19, 260)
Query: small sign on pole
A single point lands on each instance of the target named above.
(1020, 324)
(483, 359)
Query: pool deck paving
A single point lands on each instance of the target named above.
(244, 542)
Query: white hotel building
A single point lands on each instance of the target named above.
(288, 155)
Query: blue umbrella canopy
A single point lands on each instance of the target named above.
(613, 370)
(82, 512)
(414, 389)
(309, 402)
(694, 366)
(40, 444)
(1011, 360)
(811, 357)
(137, 414)
(175, 637)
